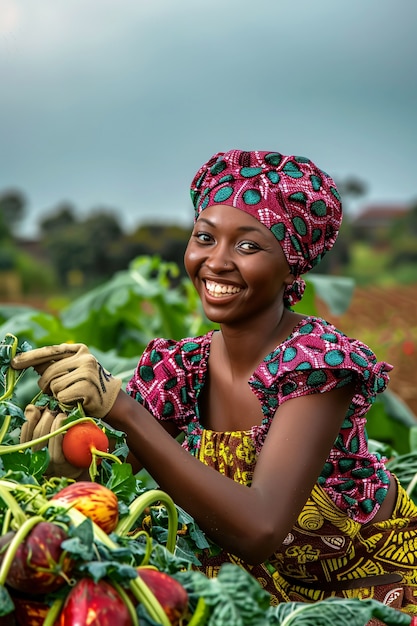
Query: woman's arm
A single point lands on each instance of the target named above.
(250, 522)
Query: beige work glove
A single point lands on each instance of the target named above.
(72, 374)
(41, 421)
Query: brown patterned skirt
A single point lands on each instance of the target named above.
(327, 554)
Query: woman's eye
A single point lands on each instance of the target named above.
(203, 237)
(248, 246)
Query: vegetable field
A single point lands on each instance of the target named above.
(96, 547)
(386, 319)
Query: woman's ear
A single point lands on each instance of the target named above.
(289, 279)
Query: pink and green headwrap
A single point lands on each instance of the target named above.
(292, 197)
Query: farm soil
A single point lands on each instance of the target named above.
(385, 318)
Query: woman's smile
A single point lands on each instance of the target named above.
(219, 290)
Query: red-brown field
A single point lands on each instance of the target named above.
(386, 319)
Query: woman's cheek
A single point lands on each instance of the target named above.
(191, 258)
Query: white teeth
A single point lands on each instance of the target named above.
(217, 290)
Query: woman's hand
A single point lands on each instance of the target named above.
(41, 421)
(72, 374)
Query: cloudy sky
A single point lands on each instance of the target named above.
(116, 103)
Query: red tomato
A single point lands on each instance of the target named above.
(79, 441)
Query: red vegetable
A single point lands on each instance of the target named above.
(81, 440)
(40, 565)
(170, 594)
(30, 612)
(95, 604)
(93, 500)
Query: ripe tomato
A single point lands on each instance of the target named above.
(79, 441)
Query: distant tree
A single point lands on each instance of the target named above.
(352, 187)
(403, 238)
(103, 233)
(168, 241)
(91, 249)
(61, 218)
(12, 210)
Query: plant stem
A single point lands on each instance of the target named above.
(95, 453)
(144, 595)
(141, 503)
(411, 485)
(132, 611)
(18, 514)
(148, 551)
(28, 444)
(5, 427)
(200, 615)
(14, 545)
(53, 612)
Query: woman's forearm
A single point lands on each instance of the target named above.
(224, 509)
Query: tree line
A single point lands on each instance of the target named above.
(75, 252)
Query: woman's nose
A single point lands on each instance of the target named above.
(219, 259)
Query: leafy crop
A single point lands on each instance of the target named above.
(117, 320)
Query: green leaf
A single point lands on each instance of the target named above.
(37, 328)
(10, 408)
(389, 421)
(335, 291)
(404, 467)
(123, 482)
(81, 541)
(336, 612)
(115, 570)
(27, 463)
(233, 597)
(413, 438)
(6, 603)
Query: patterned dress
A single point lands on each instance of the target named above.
(334, 549)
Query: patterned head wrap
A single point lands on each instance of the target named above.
(292, 197)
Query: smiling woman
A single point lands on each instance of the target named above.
(237, 267)
(274, 464)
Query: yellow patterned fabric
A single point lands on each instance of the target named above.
(326, 553)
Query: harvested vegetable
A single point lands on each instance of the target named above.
(82, 441)
(95, 604)
(171, 595)
(39, 563)
(93, 500)
(30, 611)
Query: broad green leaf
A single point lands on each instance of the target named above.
(389, 421)
(335, 291)
(413, 438)
(38, 328)
(336, 612)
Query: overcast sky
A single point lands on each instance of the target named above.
(116, 103)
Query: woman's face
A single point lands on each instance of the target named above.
(236, 264)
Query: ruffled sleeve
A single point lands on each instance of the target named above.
(167, 378)
(317, 358)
